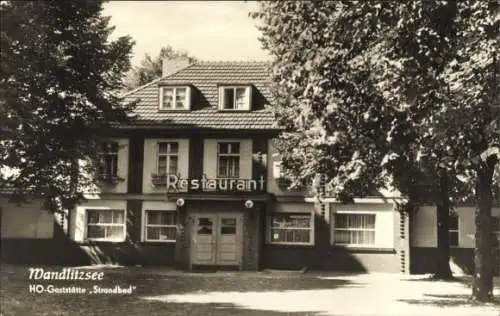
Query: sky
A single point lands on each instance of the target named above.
(207, 30)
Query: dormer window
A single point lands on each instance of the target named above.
(235, 98)
(175, 98)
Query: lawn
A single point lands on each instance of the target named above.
(166, 292)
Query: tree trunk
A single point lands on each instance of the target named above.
(482, 284)
(443, 270)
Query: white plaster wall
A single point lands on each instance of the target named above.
(466, 227)
(28, 220)
(295, 207)
(150, 162)
(385, 220)
(210, 157)
(159, 205)
(424, 226)
(78, 218)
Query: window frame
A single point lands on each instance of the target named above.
(238, 155)
(168, 156)
(352, 245)
(108, 153)
(124, 224)
(457, 231)
(311, 229)
(145, 225)
(187, 100)
(248, 98)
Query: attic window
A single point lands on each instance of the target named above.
(236, 98)
(175, 98)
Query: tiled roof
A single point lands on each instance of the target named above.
(204, 78)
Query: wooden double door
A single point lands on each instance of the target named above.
(216, 239)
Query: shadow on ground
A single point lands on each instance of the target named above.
(16, 298)
(457, 300)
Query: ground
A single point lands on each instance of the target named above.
(167, 292)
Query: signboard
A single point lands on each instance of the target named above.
(174, 182)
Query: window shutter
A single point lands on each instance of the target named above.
(156, 152)
(249, 97)
(79, 224)
(160, 104)
(221, 98)
(188, 98)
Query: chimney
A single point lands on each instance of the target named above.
(172, 65)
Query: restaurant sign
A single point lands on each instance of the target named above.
(174, 182)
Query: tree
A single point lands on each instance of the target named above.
(447, 53)
(60, 82)
(151, 68)
(421, 45)
(375, 92)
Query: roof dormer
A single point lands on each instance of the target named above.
(175, 98)
(235, 97)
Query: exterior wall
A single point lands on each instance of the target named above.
(424, 239)
(324, 255)
(150, 162)
(210, 157)
(26, 221)
(424, 226)
(133, 250)
(31, 235)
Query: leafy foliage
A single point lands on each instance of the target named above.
(333, 116)
(60, 83)
(151, 68)
(383, 93)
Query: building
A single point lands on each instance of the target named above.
(195, 181)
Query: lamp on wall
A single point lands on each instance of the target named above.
(248, 203)
(180, 202)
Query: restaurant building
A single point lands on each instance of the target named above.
(194, 181)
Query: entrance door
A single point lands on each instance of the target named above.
(228, 245)
(217, 239)
(204, 240)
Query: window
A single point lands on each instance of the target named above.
(205, 226)
(160, 225)
(174, 98)
(108, 225)
(168, 157)
(453, 230)
(235, 98)
(291, 228)
(228, 226)
(354, 229)
(228, 160)
(108, 160)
